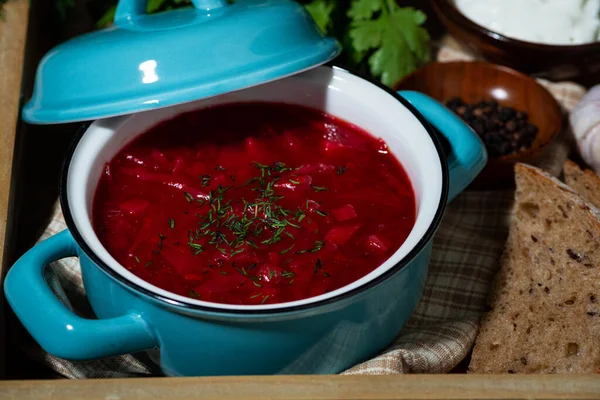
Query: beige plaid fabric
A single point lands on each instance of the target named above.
(444, 326)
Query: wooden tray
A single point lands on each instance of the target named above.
(13, 31)
(313, 387)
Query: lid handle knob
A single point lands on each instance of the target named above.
(128, 10)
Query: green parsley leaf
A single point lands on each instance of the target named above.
(363, 9)
(410, 21)
(366, 35)
(107, 18)
(320, 11)
(398, 42)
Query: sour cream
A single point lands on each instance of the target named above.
(560, 22)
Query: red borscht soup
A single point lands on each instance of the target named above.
(253, 203)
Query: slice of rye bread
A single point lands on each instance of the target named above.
(545, 315)
(586, 183)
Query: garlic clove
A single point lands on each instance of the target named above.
(589, 148)
(585, 125)
(585, 115)
(592, 95)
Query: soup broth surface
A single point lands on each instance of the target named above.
(253, 203)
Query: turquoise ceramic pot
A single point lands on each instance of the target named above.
(325, 334)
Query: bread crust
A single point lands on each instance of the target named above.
(584, 182)
(545, 300)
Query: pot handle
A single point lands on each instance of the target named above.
(468, 154)
(57, 329)
(129, 10)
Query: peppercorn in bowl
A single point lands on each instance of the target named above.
(516, 117)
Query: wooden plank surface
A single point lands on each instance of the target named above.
(314, 387)
(13, 32)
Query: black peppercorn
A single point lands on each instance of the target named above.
(504, 130)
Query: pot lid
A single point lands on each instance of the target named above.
(145, 62)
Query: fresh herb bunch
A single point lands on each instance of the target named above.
(380, 39)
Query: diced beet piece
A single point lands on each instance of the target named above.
(329, 249)
(247, 255)
(383, 148)
(311, 205)
(377, 244)
(344, 213)
(222, 283)
(197, 169)
(234, 157)
(143, 234)
(179, 165)
(179, 260)
(293, 183)
(219, 179)
(315, 167)
(274, 258)
(165, 179)
(309, 224)
(290, 140)
(318, 285)
(159, 157)
(269, 273)
(254, 147)
(331, 147)
(340, 234)
(304, 180)
(192, 277)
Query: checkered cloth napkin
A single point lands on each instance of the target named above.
(442, 330)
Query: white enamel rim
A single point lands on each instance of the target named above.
(332, 90)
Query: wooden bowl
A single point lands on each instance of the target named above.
(580, 63)
(476, 81)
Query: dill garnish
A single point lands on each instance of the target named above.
(322, 213)
(205, 180)
(262, 220)
(318, 265)
(318, 188)
(160, 241)
(286, 250)
(196, 248)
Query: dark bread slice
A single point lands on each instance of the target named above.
(586, 183)
(545, 314)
